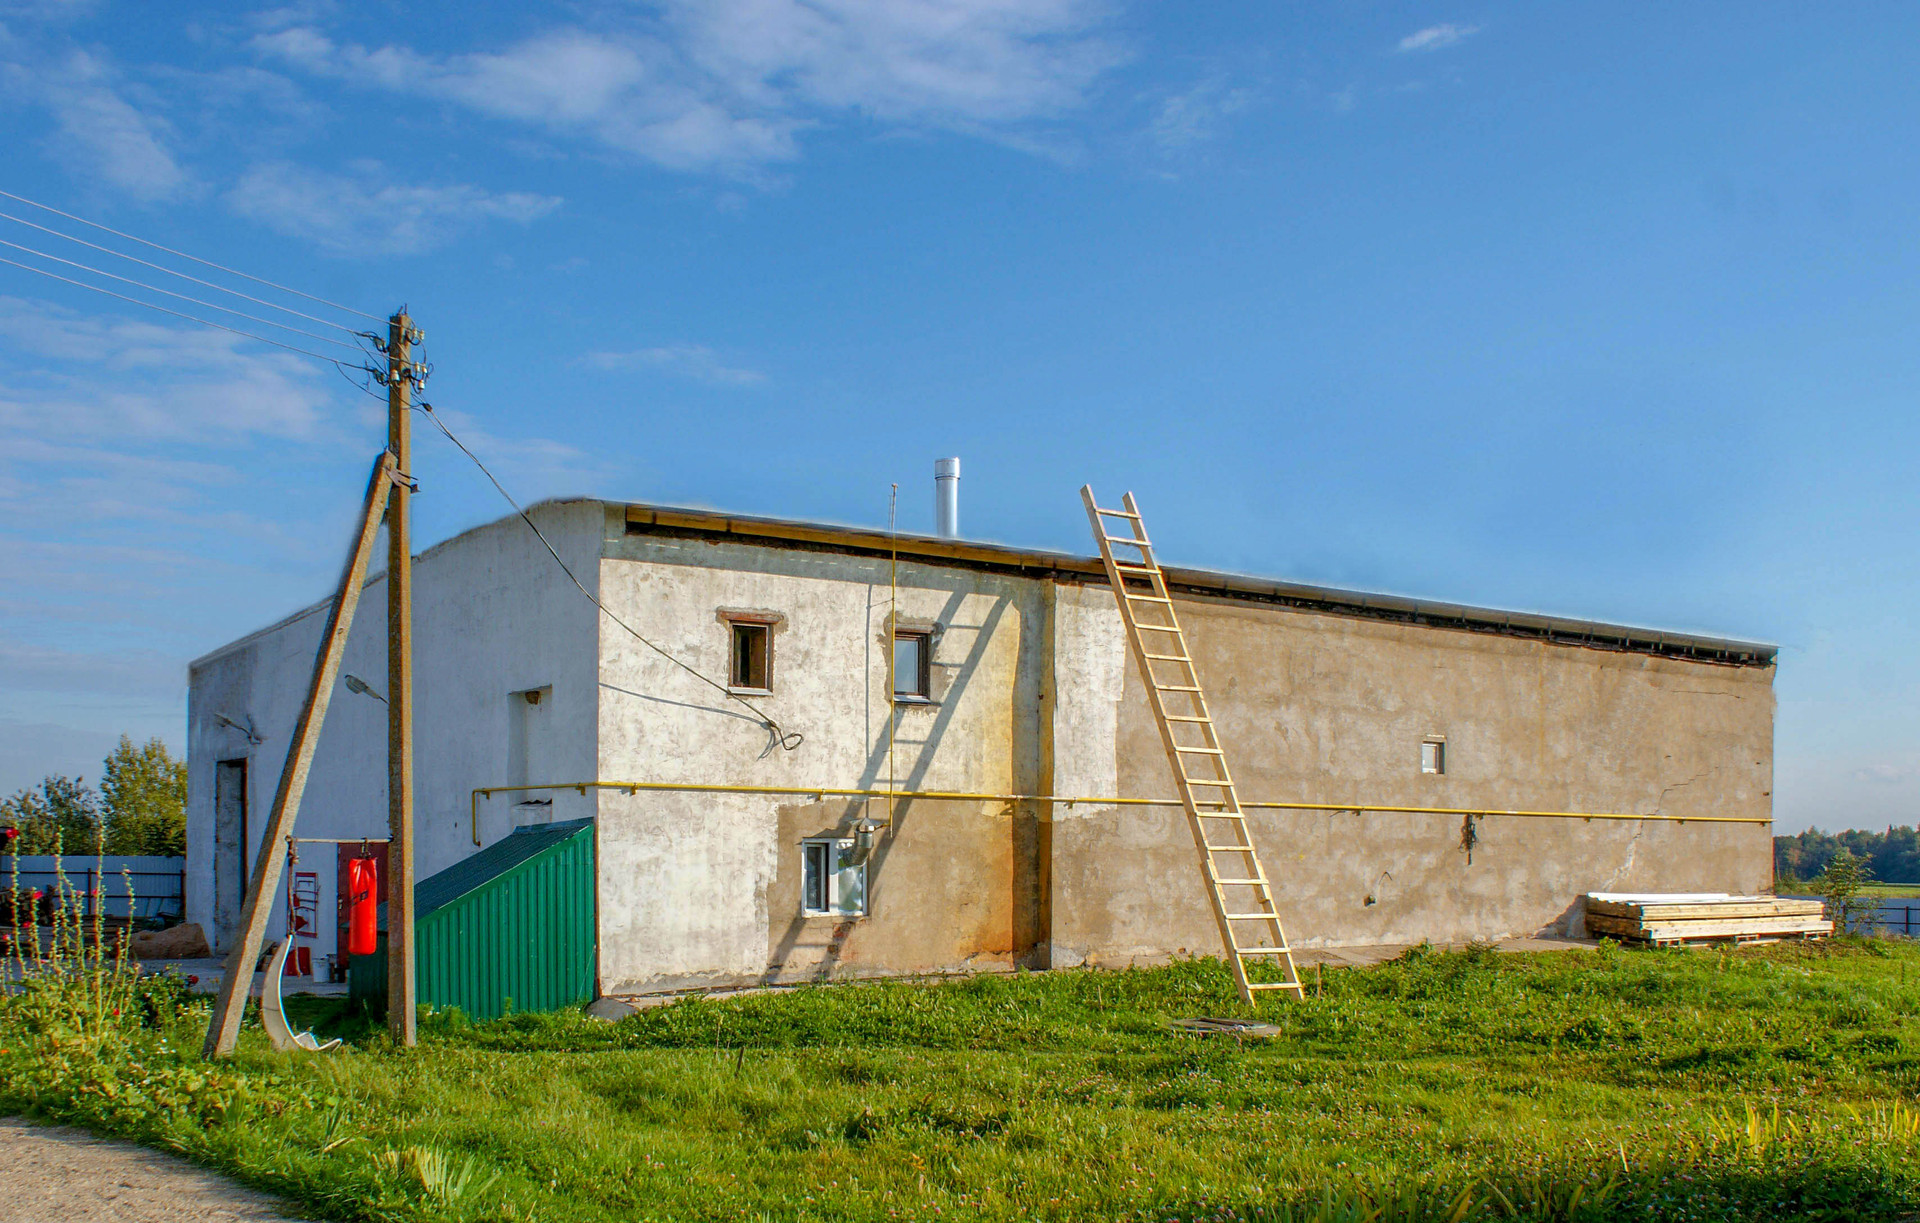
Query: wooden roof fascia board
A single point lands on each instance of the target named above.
(1209, 584)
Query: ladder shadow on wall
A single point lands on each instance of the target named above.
(911, 779)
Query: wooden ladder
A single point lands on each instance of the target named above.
(1241, 894)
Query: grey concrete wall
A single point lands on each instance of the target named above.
(1331, 709)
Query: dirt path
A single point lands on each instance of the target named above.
(72, 1177)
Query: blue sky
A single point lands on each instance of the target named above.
(1606, 311)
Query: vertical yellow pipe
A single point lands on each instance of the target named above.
(893, 633)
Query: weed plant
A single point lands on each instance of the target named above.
(1762, 1083)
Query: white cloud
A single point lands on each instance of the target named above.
(730, 83)
(1887, 774)
(102, 134)
(189, 383)
(944, 61)
(367, 213)
(694, 361)
(1195, 115)
(38, 668)
(533, 468)
(1435, 37)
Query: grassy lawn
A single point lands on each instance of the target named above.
(1769, 1082)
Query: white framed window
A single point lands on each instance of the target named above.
(912, 666)
(832, 884)
(1433, 755)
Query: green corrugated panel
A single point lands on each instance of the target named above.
(512, 924)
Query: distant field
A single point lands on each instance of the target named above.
(1766, 1082)
(1893, 890)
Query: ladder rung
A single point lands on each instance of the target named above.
(1169, 658)
(1117, 513)
(1253, 917)
(1292, 985)
(1240, 882)
(1229, 849)
(1184, 717)
(1202, 781)
(1263, 950)
(1147, 599)
(1210, 751)
(1178, 687)
(1135, 566)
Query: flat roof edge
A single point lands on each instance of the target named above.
(1038, 562)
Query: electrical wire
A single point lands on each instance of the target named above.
(785, 739)
(258, 301)
(252, 318)
(319, 356)
(183, 255)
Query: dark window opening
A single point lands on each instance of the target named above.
(912, 666)
(752, 656)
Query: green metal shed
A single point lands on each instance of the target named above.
(509, 928)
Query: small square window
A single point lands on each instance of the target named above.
(832, 884)
(752, 665)
(912, 666)
(1433, 756)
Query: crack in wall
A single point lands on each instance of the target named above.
(1659, 808)
(1633, 846)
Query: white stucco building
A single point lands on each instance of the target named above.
(1000, 672)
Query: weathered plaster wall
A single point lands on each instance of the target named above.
(1323, 708)
(1034, 692)
(703, 888)
(492, 615)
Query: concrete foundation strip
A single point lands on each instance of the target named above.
(825, 792)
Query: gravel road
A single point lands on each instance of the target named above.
(69, 1176)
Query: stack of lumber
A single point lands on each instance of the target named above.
(1666, 919)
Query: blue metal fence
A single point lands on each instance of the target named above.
(119, 885)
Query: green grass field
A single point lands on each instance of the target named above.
(1763, 1083)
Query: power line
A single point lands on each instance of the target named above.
(175, 313)
(267, 322)
(183, 255)
(258, 301)
(785, 739)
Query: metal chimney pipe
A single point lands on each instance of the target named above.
(946, 498)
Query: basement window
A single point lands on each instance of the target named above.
(1433, 756)
(832, 884)
(912, 666)
(752, 656)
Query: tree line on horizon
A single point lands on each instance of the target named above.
(140, 808)
(1892, 856)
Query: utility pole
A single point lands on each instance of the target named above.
(401, 338)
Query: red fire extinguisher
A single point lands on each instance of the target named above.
(361, 883)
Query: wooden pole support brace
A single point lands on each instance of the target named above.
(224, 1031)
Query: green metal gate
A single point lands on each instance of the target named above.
(511, 928)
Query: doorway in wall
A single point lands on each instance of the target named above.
(229, 849)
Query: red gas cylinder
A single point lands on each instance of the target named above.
(361, 884)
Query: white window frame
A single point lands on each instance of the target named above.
(837, 849)
(1433, 756)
